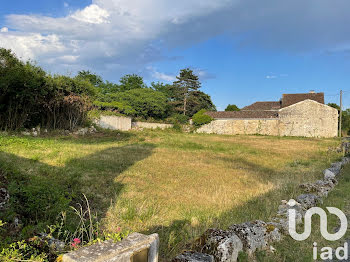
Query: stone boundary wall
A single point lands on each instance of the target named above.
(114, 122)
(125, 123)
(140, 125)
(307, 118)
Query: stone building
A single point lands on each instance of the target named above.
(294, 115)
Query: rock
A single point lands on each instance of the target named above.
(256, 235)
(25, 133)
(45, 130)
(336, 166)
(223, 245)
(309, 200)
(345, 160)
(320, 187)
(82, 131)
(16, 222)
(281, 221)
(53, 243)
(191, 256)
(35, 133)
(328, 174)
(4, 197)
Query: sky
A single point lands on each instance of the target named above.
(242, 50)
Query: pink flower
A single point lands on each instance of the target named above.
(74, 245)
(118, 229)
(76, 240)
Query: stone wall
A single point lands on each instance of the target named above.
(114, 122)
(242, 127)
(137, 125)
(307, 118)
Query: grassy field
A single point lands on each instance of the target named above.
(175, 184)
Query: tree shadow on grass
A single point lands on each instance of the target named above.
(40, 192)
(183, 234)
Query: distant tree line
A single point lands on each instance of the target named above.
(30, 97)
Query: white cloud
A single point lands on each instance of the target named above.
(161, 76)
(122, 36)
(31, 46)
(92, 14)
(271, 77)
(65, 4)
(4, 30)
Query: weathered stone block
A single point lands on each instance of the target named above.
(309, 200)
(320, 187)
(223, 245)
(255, 235)
(135, 245)
(329, 174)
(191, 256)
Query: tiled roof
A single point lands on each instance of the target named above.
(291, 99)
(243, 114)
(268, 105)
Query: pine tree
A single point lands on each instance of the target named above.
(187, 82)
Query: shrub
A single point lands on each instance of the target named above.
(178, 119)
(200, 118)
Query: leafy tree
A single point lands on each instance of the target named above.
(232, 108)
(346, 121)
(187, 83)
(334, 105)
(130, 82)
(146, 102)
(94, 79)
(345, 117)
(21, 91)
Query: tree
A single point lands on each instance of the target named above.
(146, 102)
(94, 79)
(345, 123)
(197, 101)
(232, 108)
(129, 82)
(187, 82)
(334, 105)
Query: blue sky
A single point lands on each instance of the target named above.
(243, 50)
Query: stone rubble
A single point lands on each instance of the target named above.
(191, 256)
(4, 197)
(309, 200)
(223, 245)
(53, 243)
(256, 235)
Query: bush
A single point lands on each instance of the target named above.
(29, 97)
(178, 119)
(200, 118)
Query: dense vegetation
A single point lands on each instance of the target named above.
(29, 97)
(345, 118)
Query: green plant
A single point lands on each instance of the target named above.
(232, 108)
(200, 118)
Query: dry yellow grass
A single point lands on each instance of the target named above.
(175, 184)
